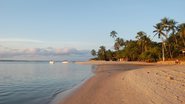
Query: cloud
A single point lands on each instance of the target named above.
(43, 53)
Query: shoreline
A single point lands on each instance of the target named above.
(118, 84)
(64, 95)
(131, 62)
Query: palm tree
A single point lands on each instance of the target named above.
(140, 41)
(102, 53)
(159, 32)
(165, 23)
(109, 55)
(113, 34)
(93, 52)
(181, 32)
(119, 42)
(164, 28)
(116, 46)
(143, 40)
(171, 27)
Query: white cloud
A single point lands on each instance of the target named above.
(44, 53)
(17, 48)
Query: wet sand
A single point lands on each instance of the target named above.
(132, 84)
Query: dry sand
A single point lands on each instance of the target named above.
(132, 84)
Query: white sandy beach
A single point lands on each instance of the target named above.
(132, 84)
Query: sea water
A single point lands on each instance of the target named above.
(38, 82)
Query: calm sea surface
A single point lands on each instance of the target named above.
(38, 82)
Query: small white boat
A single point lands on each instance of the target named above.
(51, 62)
(65, 62)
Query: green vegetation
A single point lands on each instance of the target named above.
(172, 45)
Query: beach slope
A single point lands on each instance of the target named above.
(132, 84)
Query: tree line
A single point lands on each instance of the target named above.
(172, 45)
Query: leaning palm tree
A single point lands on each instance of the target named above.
(113, 34)
(159, 32)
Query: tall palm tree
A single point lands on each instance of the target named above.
(164, 28)
(113, 34)
(119, 42)
(143, 40)
(159, 32)
(140, 36)
(165, 23)
(171, 30)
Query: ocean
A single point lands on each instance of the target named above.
(38, 82)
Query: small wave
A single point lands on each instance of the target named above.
(4, 93)
(58, 92)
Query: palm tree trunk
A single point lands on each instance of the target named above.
(169, 46)
(163, 56)
(170, 52)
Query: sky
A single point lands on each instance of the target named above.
(69, 29)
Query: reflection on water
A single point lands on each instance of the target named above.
(37, 83)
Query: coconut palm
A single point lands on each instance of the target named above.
(143, 40)
(116, 46)
(163, 29)
(113, 34)
(159, 32)
(181, 32)
(172, 25)
(165, 22)
(119, 42)
(109, 55)
(172, 28)
(102, 53)
(93, 52)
